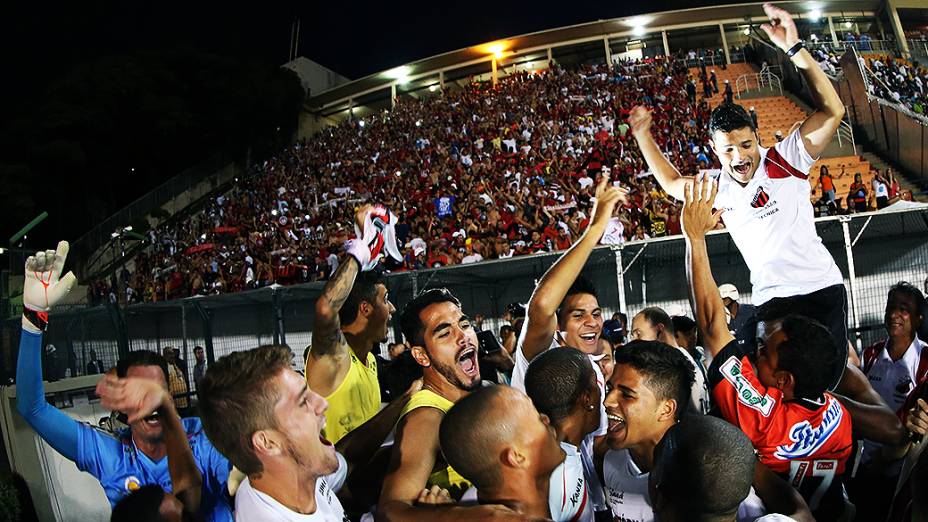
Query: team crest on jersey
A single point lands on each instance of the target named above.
(132, 483)
(760, 198)
(747, 394)
(808, 440)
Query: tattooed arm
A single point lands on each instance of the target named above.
(328, 360)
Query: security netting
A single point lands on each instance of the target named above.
(885, 247)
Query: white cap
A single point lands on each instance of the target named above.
(730, 291)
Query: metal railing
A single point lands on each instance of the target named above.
(918, 47)
(758, 81)
(846, 132)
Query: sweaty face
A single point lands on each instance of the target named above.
(737, 152)
(383, 313)
(632, 408)
(901, 318)
(300, 416)
(643, 330)
(451, 344)
(582, 322)
(150, 427)
(769, 337)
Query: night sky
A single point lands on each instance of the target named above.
(82, 80)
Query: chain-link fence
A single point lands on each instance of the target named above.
(886, 247)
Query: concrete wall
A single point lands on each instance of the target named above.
(314, 77)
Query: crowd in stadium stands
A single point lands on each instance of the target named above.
(480, 173)
(901, 82)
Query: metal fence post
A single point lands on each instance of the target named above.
(207, 332)
(119, 326)
(619, 277)
(280, 337)
(852, 277)
(183, 328)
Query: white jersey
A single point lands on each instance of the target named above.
(771, 221)
(252, 505)
(626, 488)
(699, 393)
(629, 499)
(586, 447)
(568, 495)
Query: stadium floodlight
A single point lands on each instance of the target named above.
(496, 49)
(398, 73)
(848, 24)
(747, 31)
(433, 88)
(815, 14)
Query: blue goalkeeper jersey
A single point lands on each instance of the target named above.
(113, 460)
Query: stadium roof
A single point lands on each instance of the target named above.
(628, 26)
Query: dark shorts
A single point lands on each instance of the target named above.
(882, 201)
(827, 306)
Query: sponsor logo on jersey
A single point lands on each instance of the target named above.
(760, 198)
(132, 483)
(747, 394)
(808, 440)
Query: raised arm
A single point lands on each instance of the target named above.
(328, 360)
(541, 318)
(818, 129)
(138, 398)
(42, 289)
(667, 175)
(698, 219)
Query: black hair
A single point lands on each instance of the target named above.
(683, 324)
(556, 379)
(141, 358)
(904, 287)
(581, 285)
(728, 117)
(411, 322)
(810, 354)
(364, 290)
(667, 371)
(705, 467)
(142, 505)
(657, 316)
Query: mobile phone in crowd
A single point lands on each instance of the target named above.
(488, 343)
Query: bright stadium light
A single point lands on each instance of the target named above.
(398, 73)
(848, 24)
(433, 88)
(747, 31)
(496, 49)
(815, 14)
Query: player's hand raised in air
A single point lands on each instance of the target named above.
(640, 121)
(782, 29)
(607, 197)
(698, 217)
(136, 397)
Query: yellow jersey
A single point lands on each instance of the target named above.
(446, 478)
(355, 400)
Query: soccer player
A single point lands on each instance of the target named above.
(800, 431)
(564, 311)
(352, 316)
(562, 386)
(654, 324)
(444, 343)
(647, 395)
(509, 451)
(703, 468)
(138, 398)
(261, 413)
(766, 193)
(122, 463)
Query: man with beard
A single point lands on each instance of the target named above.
(766, 194)
(564, 311)
(509, 451)
(136, 457)
(444, 344)
(352, 316)
(261, 413)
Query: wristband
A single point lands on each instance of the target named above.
(36, 319)
(798, 46)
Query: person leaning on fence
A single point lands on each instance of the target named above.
(129, 459)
